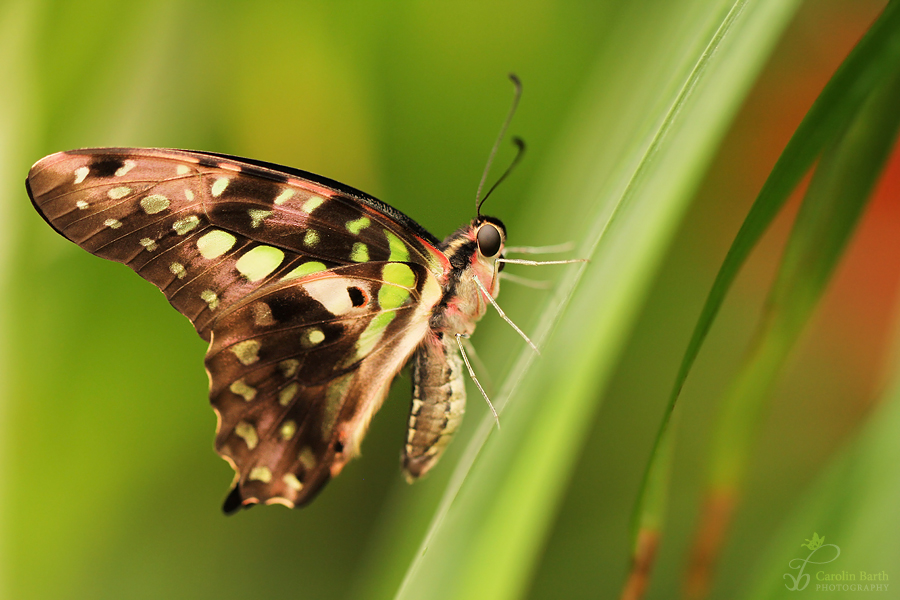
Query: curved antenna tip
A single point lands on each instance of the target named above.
(520, 147)
(517, 141)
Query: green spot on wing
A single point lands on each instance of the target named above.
(399, 251)
(398, 280)
(358, 225)
(305, 269)
(257, 216)
(185, 225)
(215, 243)
(312, 204)
(359, 253)
(248, 432)
(399, 274)
(259, 262)
(372, 334)
(334, 399)
(154, 203)
(390, 297)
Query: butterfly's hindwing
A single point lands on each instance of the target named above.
(297, 371)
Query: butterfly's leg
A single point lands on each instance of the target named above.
(554, 249)
(459, 340)
(477, 362)
(534, 250)
(503, 315)
(535, 263)
(538, 285)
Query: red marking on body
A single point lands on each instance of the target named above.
(437, 254)
(453, 309)
(486, 275)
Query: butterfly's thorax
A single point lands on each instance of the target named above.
(463, 308)
(439, 391)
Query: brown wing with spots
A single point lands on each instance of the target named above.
(209, 230)
(297, 371)
(312, 294)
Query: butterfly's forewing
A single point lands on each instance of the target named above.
(263, 260)
(207, 229)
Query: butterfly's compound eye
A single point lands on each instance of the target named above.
(489, 240)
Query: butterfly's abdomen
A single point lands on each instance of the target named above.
(438, 404)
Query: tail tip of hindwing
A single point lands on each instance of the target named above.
(235, 501)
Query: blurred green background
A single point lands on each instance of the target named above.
(111, 488)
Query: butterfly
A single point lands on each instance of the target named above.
(311, 294)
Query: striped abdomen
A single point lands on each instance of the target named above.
(438, 404)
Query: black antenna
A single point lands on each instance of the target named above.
(520, 145)
(512, 110)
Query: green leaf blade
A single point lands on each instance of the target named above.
(877, 53)
(488, 531)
